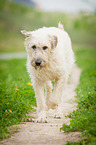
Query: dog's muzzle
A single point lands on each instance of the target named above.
(38, 62)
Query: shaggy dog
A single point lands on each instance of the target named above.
(49, 58)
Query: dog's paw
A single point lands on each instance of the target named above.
(58, 114)
(41, 120)
(42, 117)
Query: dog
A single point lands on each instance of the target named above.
(49, 58)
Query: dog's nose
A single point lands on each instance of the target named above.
(38, 62)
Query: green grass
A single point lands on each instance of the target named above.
(15, 17)
(84, 118)
(13, 75)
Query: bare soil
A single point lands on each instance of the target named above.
(32, 133)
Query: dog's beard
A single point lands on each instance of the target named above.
(38, 67)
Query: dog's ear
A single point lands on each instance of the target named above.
(26, 33)
(53, 40)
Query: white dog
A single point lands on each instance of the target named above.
(49, 58)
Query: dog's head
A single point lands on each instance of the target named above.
(39, 46)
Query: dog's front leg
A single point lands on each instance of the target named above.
(48, 93)
(41, 106)
(55, 102)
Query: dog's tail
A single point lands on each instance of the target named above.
(60, 26)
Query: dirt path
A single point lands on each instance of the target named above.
(33, 133)
(13, 55)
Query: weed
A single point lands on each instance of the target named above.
(17, 97)
(84, 118)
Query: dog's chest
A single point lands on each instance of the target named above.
(48, 74)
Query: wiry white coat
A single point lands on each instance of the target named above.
(57, 63)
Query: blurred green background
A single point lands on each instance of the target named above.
(15, 17)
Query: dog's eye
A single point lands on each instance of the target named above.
(34, 46)
(45, 47)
